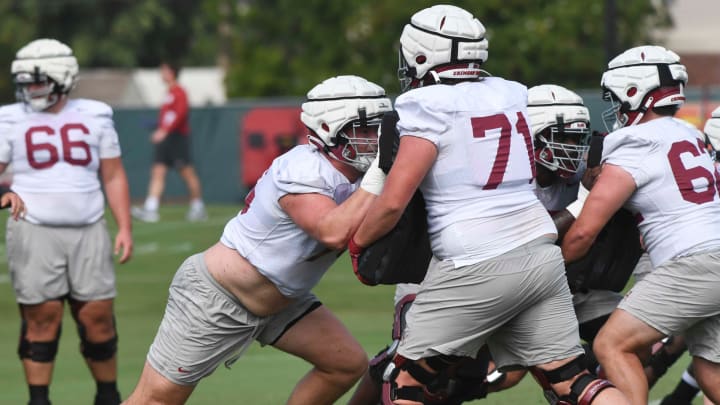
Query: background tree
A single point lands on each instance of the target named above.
(280, 48)
(284, 47)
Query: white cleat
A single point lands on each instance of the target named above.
(144, 215)
(196, 215)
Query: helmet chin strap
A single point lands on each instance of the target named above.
(435, 76)
(642, 111)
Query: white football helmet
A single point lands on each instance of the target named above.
(640, 79)
(441, 42)
(337, 111)
(43, 71)
(560, 124)
(712, 130)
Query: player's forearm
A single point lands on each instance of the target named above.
(118, 195)
(338, 225)
(384, 215)
(576, 243)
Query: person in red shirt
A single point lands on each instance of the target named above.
(172, 150)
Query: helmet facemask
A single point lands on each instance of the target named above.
(37, 90)
(612, 117)
(562, 147)
(405, 73)
(357, 142)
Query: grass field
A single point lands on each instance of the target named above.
(262, 376)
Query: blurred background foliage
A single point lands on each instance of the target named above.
(284, 47)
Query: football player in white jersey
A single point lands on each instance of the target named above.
(64, 152)
(560, 125)
(496, 276)
(255, 284)
(657, 168)
(687, 388)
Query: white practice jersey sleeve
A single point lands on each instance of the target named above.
(268, 238)
(56, 158)
(479, 193)
(676, 202)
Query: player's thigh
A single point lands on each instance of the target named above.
(545, 331)
(36, 261)
(626, 333)
(678, 294)
(155, 389)
(321, 339)
(203, 326)
(178, 152)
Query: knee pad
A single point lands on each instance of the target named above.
(661, 360)
(101, 351)
(380, 362)
(591, 362)
(434, 386)
(41, 352)
(566, 372)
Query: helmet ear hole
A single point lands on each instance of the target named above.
(420, 59)
(325, 127)
(631, 91)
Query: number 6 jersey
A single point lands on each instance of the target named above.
(676, 202)
(56, 158)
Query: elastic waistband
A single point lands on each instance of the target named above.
(198, 263)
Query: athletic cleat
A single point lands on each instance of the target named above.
(144, 215)
(196, 215)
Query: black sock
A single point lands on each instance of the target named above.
(39, 394)
(107, 393)
(684, 391)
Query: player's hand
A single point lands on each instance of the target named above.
(158, 136)
(17, 206)
(123, 245)
(374, 179)
(355, 251)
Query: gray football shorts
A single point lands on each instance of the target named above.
(643, 267)
(519, 303)
(682, 297)
(594, 304)
(50, 262)
(204, 325)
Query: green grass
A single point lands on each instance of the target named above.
(262, 376)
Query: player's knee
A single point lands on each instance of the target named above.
(356, 365)
(97, 351)
(583, 390)
(408, 380)
(603, 349)
(38, 351)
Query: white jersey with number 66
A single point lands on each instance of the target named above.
(56, 158)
